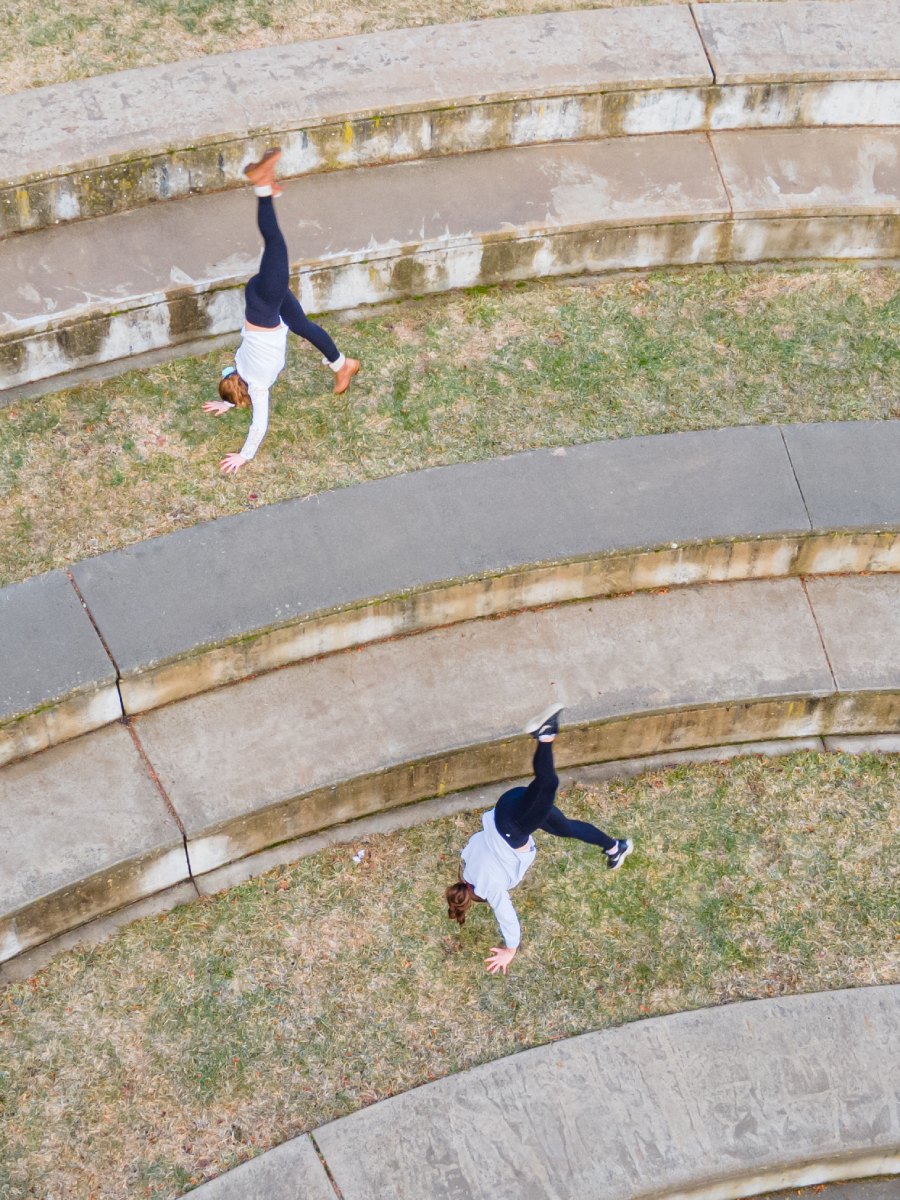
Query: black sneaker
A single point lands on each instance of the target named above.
(615, 858)
(546, 724)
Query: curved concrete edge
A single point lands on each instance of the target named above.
(451, 602)
(715, 1104)
(99, 928)
(675, 509)
(58, 347)
(159, 865)
(633, 735)
(444, 89)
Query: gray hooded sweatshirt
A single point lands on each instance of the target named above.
(493, 868)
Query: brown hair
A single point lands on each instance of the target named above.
(460, 899)
(233, 389)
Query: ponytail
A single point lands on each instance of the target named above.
(459, 900)
(233, 389)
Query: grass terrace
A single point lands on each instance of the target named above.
(195, 1040)
(57, 41)
(446, 379)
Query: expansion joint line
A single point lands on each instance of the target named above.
(787, 451)
(331, 1179)
(819, 631)
(702, 43)
(158, 784)
(99, 633)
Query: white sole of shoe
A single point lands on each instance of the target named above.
(536, 722)
(629, 846)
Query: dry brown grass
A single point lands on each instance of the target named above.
(193, 1041)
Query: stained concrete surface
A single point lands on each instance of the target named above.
(237, 750)
(183, 104)
(800, 40)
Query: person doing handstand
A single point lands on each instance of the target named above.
(496, 858)
(271, 309)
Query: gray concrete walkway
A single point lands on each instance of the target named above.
(715, 1104)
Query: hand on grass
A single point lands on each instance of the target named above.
(499, 960)
(231, 463)
(216, 408)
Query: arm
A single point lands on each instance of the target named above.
(507, 919)
(255, 434)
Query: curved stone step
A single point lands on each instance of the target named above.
(257, 765)
(105, 145)
(105, 290)
(413, 552)
(714, 1105)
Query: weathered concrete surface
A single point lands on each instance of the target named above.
(859, 619)
(811, 172)
(691, 649)
(56, 680)
(401, 536)
(800, 40)
(100, 146)
(718, 1103)
(849, 473)
(84, 832)
(291, 1171)
(99, 291)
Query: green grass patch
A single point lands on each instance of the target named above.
(190, 1042)
(447, 379)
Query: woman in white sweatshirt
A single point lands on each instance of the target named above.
(495, 860)
(271, 309)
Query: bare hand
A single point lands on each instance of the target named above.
(500, 958)
(231, 463)
(216, 407)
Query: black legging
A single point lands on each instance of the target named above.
(522, 810)
(268, 295)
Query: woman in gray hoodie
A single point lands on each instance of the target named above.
(495, 859)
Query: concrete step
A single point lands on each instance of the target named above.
(715, 1104)
(435, 547)
(106, 145)
(104, 290)
(272, 759)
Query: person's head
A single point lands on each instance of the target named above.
(233, 389)
(460, 899)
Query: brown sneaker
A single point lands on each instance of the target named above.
(262, 173)
(345, 374)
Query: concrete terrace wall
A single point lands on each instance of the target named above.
(668, 137)
(415, 552)
(110, 144)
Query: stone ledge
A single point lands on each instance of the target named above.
(642, 675)
(715, 1104)
(100, 291)
(57, 681)
(99, 146)
(676, 509)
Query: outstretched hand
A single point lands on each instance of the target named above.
(499, 960)
(231, 463)
(216, 408)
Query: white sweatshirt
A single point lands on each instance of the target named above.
(260, 360)
(493, 868)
